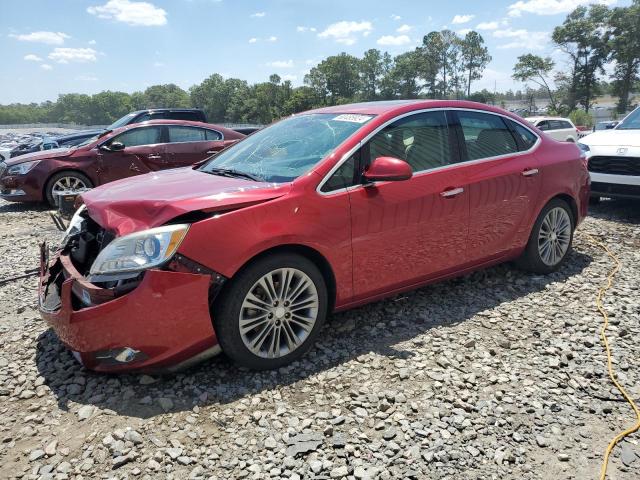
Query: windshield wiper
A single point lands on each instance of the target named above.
(227, 172)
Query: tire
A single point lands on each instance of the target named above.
(536, 257)
(76, 179)
(233, 307)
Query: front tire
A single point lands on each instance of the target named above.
(271, 312)
(550, 240)
(65, 181)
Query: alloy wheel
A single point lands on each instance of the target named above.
(278, 313)
(554, 236)
(68, 184)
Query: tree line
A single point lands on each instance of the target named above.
(445, 65)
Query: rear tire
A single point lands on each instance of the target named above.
(62, 180)
(550, 240)
(271, 312)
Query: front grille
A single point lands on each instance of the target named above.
(615, 190)
(615, 165)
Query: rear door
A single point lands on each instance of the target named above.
(144, 152)
(504, 182)
(188, 145)
(405, 232)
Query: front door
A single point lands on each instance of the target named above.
(408, 231)
(144, 151)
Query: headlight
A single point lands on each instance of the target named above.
(139, 251)
(22, 168)
(75, 225)
(583, 147)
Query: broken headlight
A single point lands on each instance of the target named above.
(75, 225)
(139, 251)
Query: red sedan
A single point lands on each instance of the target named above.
(115, 154)
(320, 212)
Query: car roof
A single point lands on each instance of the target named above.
(228, 133)
(399, 106)
(537, 119)
(163, 109)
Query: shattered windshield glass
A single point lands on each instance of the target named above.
(287, 149)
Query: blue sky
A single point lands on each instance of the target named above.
(87, 46)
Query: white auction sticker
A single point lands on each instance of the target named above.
(352, 117)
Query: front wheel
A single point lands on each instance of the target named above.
(65, 182)
(271, 312)
(550, 240)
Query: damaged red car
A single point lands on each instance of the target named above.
(320, 212)
(124, 152)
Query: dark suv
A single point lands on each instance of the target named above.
(189, 114)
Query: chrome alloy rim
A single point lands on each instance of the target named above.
(278, 313)
(68, 184)
(554, 236)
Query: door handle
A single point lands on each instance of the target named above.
(530, 172)
(154, 157)
(211, 152)
(454, 192)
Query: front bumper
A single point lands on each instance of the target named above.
(19, 188)
(163, 322)
(615, 186)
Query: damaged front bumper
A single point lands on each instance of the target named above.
(162, 323)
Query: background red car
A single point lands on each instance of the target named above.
(124, 152)
(321, 211)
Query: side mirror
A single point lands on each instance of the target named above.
(388, 169)
(113, 147)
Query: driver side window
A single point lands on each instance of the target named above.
(140, 136)
(343, 177)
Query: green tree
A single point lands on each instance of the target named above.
(536, 69)
(169, 95)
(475, 57)
(212, 96)
(625, 50)
(372, 70)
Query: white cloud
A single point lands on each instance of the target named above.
(550, 7)
(487, 26)
(258, 15)
(345, 32)
(463, 31)
(272, 38)
(458, 19)
(32, 58)
(46, 66)
(522, 38)
(394, 41)
(395, 17)
(305, 29)
(404, 28)
(66, 55)
(253, 40)
(281, 64)
(92, 42)
(50, 38)
(132, 13)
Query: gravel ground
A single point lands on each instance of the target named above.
(499, 374)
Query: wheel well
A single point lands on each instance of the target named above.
(64, 170)
(311, 254)
(572, 203)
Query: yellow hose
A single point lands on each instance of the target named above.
(603, 336)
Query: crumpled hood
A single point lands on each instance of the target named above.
(41, 155)
(151, 200)
(613, 138)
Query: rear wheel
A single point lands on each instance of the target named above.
(65, 182)
(550, 240)
(272, 311)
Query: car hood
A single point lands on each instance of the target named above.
(151, 200)
(613, 138)
(40, 155)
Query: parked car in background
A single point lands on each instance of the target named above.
(608, 125)
(189, 114)
(39, 144)
(561, 129)
(112, 155)
(76, 138)
(322, 211)
(614, 159)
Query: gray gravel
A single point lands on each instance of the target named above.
(499, 374)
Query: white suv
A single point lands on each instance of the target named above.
(561, 129)
(614, 159)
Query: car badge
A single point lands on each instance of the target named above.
(621, 151)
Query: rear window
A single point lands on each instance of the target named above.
(486, 135)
